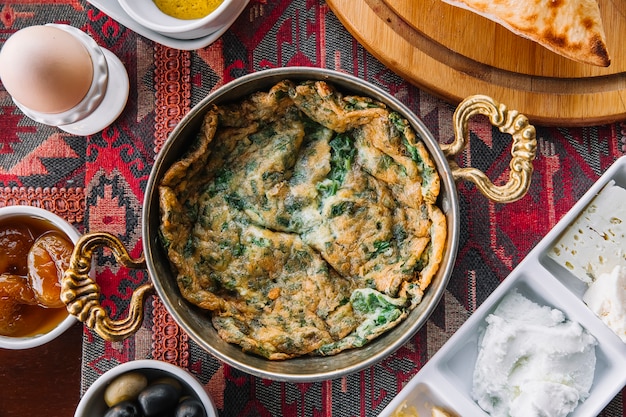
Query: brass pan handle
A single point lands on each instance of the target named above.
(523, 150)
(81, 293)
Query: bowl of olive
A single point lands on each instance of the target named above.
(146, 388)
(35, 249)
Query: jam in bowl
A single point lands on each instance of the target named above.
(36, 247)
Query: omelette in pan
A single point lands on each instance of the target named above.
(304, 220)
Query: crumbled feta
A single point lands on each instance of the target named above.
(595, 242)
(606, 297)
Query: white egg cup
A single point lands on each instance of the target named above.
(105, 99)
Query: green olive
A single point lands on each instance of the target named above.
(125, 387)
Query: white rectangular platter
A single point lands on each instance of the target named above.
(446, 379)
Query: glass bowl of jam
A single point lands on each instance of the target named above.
(35, 249)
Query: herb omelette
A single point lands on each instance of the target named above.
(304, 220)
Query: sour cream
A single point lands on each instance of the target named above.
(532, 361)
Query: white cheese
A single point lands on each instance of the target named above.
(595, 242)
(606, 297)
(532, 361)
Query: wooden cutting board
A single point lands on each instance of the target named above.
(453, 53)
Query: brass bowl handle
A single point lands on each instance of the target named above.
(81, 293)
(523, 150)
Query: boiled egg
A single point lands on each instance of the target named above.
(46, 69)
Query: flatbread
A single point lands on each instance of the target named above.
(571, 28)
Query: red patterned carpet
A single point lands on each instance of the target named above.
(97, 182)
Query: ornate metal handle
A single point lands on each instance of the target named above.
(81, 293)
(523, 150)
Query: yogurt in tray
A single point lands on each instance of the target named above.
(551, 284)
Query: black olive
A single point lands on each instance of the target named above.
(190, 408)
(124, 409)
(158, 399)
(169, 380)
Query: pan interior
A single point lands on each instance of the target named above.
(197, 323)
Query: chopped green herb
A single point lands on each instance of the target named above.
(412, 150)
(342, 153)
(344, 207)
(238, 249)
(235, 201)
(189, 247)
(185, 281)
(220, 182)
(191, 210)
(385, 162)
(327, 187)
(272, 177)
(423, 260)
(380, 246)
(165, 242)
(360, 103)
(399, 233)
(260, 241)
(398, 122)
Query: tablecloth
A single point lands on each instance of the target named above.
(97, 182)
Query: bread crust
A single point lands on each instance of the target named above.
(571, 28)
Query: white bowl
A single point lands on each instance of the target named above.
(147, 14)
(9, 342)
(92, 403)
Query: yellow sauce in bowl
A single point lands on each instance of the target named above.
(187, 9)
